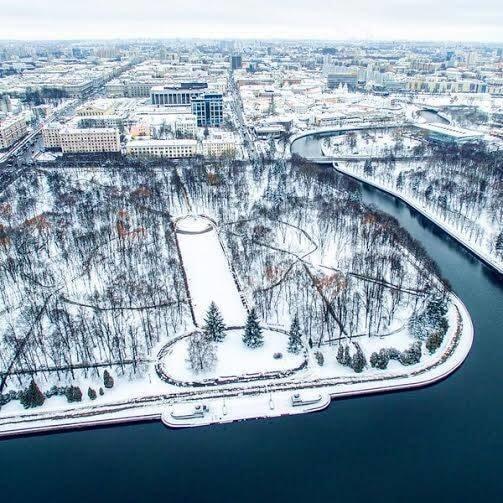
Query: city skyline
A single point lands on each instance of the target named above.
(332, 20)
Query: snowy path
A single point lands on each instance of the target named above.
(208, 273)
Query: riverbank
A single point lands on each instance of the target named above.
(433, 368)
(481, 254)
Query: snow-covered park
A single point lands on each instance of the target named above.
(328, 295)
(208, 274)
(372, 143)
(234, 358)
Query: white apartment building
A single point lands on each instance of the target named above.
(219, 145)
(73, 140)
(186, 124)
(11, 130)
(439, 85)
(171, 149)
(94, 121)
(50, 135)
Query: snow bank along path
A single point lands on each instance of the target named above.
(207, 270)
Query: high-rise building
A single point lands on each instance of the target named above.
(209, 110)
(341, 75)
(236, 61)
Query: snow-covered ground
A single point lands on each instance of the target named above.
(371, 143)
(234, 358)
(208, 274)
(298, 245)
(478, 246)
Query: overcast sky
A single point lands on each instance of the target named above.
(467, 20)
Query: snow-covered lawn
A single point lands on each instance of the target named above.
(371, 143)
(234, 358)
(208, 273)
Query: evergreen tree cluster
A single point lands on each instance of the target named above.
(5, 398)
(381, 359)
(357, 362)
(432, 319)
(435, 339)
(253, 337)
(412, 355)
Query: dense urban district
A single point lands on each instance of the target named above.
(183, 235)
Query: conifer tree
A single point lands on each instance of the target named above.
(295, 337)
(499, 242)
(91, 393)
(32, 396)
(214, 327)
(73, 394)
(253, 337)
(340, 354)
(358, 362)
(347, 357)
(108, 380)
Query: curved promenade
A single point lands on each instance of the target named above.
(447, 359)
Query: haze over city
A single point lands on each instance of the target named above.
(264, 19)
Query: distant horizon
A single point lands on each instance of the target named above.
(328, 20)
(257, 39)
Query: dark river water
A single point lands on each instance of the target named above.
(437, 444)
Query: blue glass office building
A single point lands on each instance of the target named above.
(209, 110)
